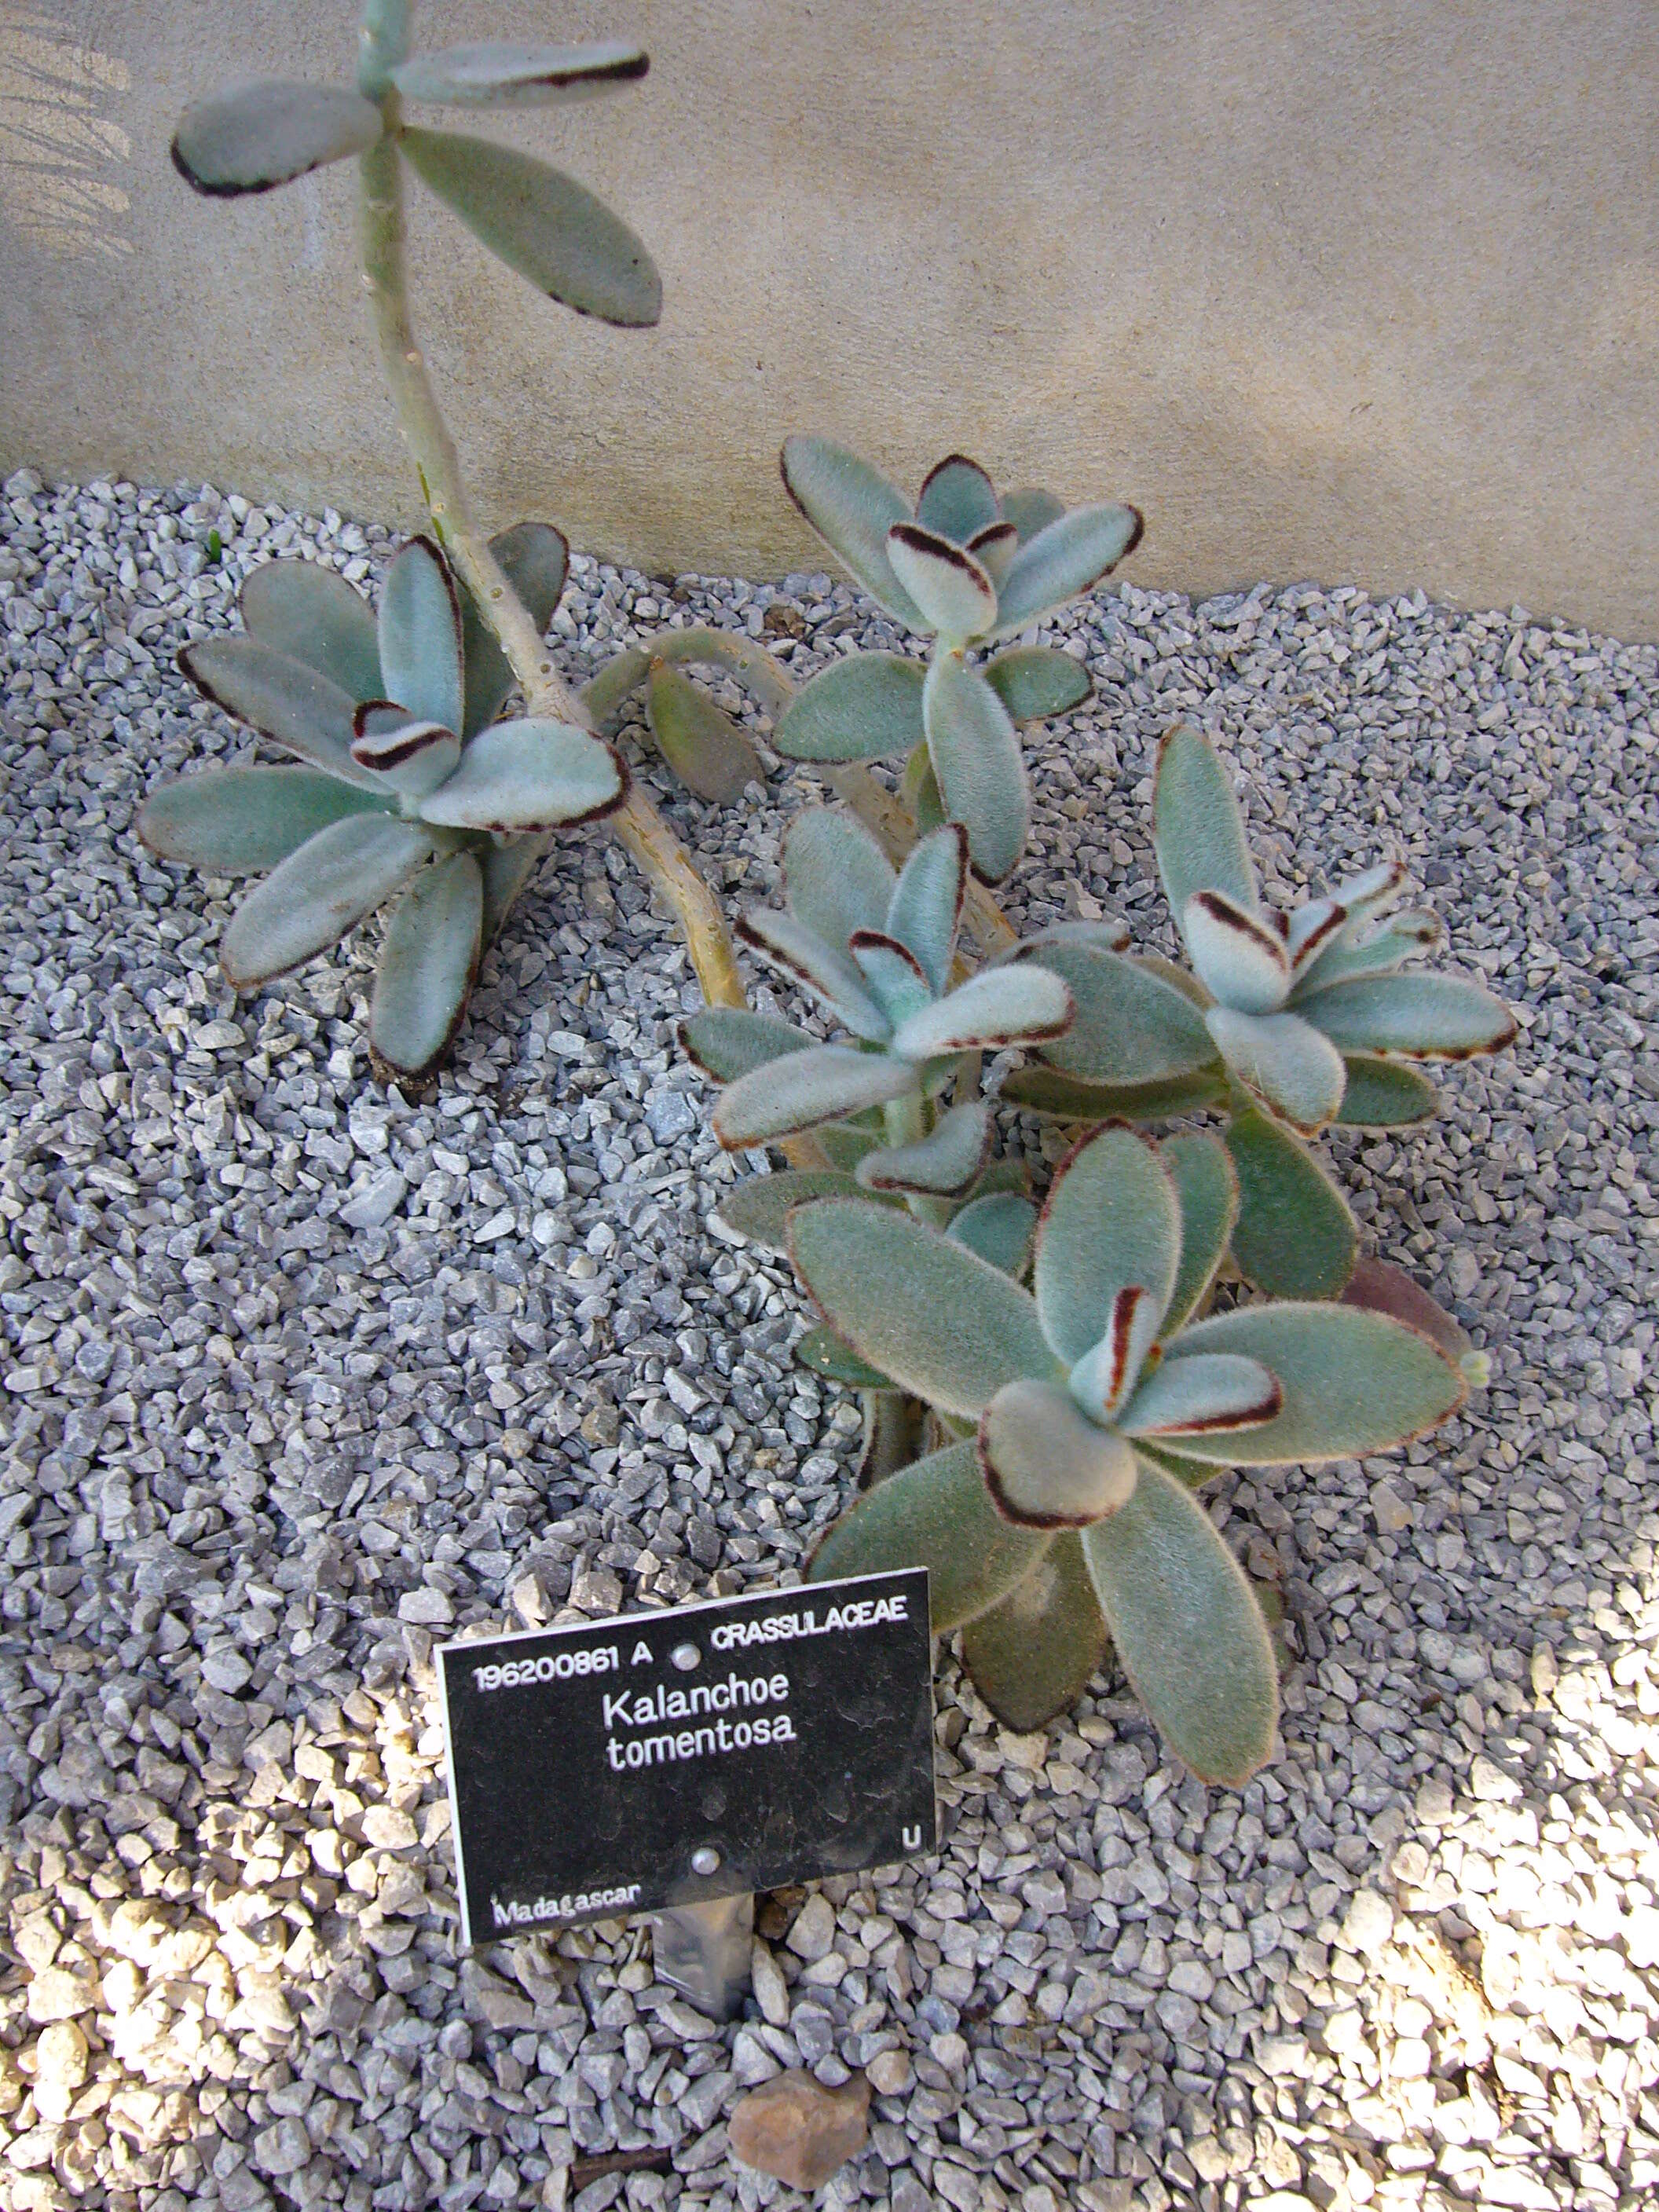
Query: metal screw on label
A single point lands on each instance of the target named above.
(685, 1656)
(705, 1859)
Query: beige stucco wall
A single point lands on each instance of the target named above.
(1366, 292)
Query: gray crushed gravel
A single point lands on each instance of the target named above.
(299, 1376)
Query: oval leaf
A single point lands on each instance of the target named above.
(998, 1007)
(727, 1041)
(944, 1323)
(283, 700)
(533, 775)
(419, 636)
(701, 742)
(1070, 556)
(313, 615)
(999, 1227)
(240, 821)
(926, 902)
(1035, 1653)
(1130, 1027)
(1112, 1218)
(760, 1206)
(974, 750)
(957, 499)
(498, 73)
(944, 1162)
(852, 507)
(1295, 1237)
(1210, 1392)
(955, 594)
(864, 708)
(1240, 960)
(1036, 681)
(428, 967)
(1206, 1189)
(544, 225)
(804, 1089)
(1383, 1094)
(319, 893)
(1044, 1091)
(255, 135)
(1188, 1632)
(1415, 1017)
(1031, 510)
(935, 1514)
(1381, 1288)
(1198, 829)
(835, 877)
(1045, 1465)
(1284, 1063)
(1353, 1382)
(410, 758)
(830, 973)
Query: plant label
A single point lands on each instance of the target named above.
(662, 1759)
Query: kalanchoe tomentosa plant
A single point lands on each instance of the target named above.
(875, 945)
(1293, 1021)
(1094, 1409)
(964, 570)
(409, 783)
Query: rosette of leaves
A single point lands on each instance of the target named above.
(1289, 1024)
(542, 223)
(408, 784)
(965, 568)
(876, 946)
(1089, 1411)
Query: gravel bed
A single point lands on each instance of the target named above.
(299, 1376)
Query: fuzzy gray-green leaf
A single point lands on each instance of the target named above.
(531, 774)
(1066, 1098)
(997, 1225)
(283, 699)
(699, 740)
(935, 1514)
(956, 595)
(1414, 1016)
(319, 893)
(926, 901)
(1385, 1094)
(1036, 681)
(867, 707)
(1353, 1382)
(1047, 1465)
(1206, 1190)
(759, 1206)
(544, 225)
(975, 749)
(827, 969)
(1112, 1219)
(420, 635)
(1130, 1027)
(1198, 829)
(1033, 1656)
(1032, 509)
(1188, 1632)
(241, 821)
(500, 73)
(957, 499)
(999, 1006)
(822, 1351)
(943, 1164)
(428, 966)
(944, 1323)
(255, 136)
(1294, 1236)
(852, 507)
(536, 559)
(1069, 556)
(835, 877)
(804, 1089)
(727, 1041)
(313, 615)
(1284, 1063)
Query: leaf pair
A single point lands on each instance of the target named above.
(542, 223)
(1098, 1407)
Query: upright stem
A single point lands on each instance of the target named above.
(636, 825)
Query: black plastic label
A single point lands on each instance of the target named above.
(661, 1758)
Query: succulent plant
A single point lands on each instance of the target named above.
(876, 946)
(1087, 1412)
(964, 570)
(1291, 1022)
(409, 783)
(541, 222)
